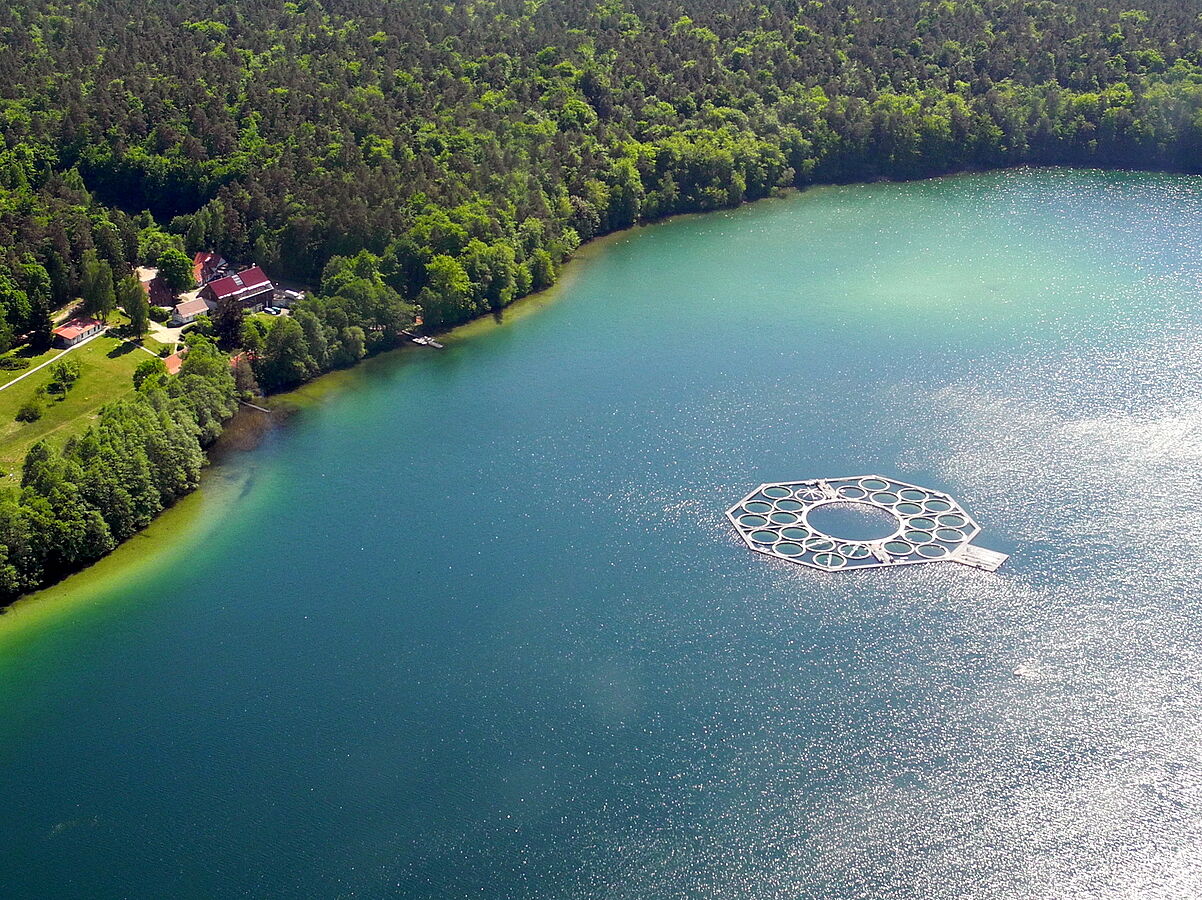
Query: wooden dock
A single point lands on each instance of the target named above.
(422, 340)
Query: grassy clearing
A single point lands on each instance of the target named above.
(107, 365)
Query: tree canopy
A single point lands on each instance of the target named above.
(489, 138)
(175, 268)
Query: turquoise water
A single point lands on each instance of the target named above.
(853, 521)
(479, 627)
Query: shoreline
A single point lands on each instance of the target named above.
(226, 476)
(153, 548)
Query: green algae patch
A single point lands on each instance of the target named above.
(116, 576)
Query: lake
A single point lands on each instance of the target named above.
(478, 627)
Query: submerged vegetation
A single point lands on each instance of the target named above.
(446, 159)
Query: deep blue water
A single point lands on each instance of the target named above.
(479, 628)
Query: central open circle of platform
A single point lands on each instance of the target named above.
(850, 520)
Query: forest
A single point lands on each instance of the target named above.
(445, 159)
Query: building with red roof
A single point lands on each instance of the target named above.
(77, 330)
(158, 293)
(251, 287)
(173, 363)
(205, 266)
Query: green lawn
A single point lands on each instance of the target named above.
(154, 345)
(34, 359)
(107, 366)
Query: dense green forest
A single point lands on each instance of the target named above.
(473, 145)
(447, 158)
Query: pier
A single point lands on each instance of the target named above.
(422, 340)
(979, 557)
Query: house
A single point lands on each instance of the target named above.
(251, 288)
(173, 363)
(73, 331)
(158, 293)
(188, 310)
(207, 265)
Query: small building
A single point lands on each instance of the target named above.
(173, 363)
(207, 265)
(76, 330)
(188, 311)
(250, 287)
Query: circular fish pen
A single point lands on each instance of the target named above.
(814, 523)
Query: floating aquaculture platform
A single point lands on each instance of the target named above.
(929, 526)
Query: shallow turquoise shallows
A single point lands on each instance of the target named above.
(479, 627)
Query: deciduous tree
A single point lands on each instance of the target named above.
(135, 303)
(176, 270)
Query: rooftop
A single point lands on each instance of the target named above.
(73, 328)
(192, 307)
(205, 258)
(157, 291)
(252, 280)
